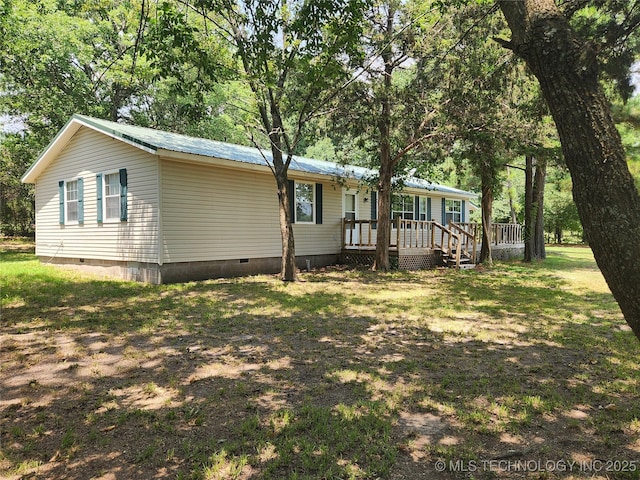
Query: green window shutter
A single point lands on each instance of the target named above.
(416, 207)
(80, 200)
(123, 195)
(291, 193)
(61, 194)
(319, 203)
(429, 209)
(464, 206)
(444, 211)
(99, 197)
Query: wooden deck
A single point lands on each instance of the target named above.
(417, 243)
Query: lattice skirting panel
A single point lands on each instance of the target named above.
(417, 262)
(402, 262)
(358, 259)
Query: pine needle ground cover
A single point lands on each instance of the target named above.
(519, 371)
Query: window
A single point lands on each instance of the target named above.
(350, 206)
(304, 201)
(71, 201)
(112, 196)
(71, 194)
(111, 189)
(402, 206)
(422, 209)
(453, 211)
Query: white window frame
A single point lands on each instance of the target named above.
(406, 203)
(422, 209)
(67, 218)
(452, 202)
(313, 202)
(105, 217)
(354, 193)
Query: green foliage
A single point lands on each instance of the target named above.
(560, 211)
(293, 55)
(397, 70)
(59, 59)
(16, 199)
(628, 122)
(487, 95)
(612, 29)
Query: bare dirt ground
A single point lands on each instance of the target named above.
(209, 380)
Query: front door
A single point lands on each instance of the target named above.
(350, 212)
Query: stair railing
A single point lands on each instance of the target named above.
(470, 242)
(449, 241)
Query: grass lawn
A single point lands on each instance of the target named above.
(519, 371)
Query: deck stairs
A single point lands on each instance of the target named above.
(449, 259)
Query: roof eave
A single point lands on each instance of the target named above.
(51, 150)
(63, 137)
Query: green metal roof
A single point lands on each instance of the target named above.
(154, 140)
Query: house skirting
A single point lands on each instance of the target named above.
(405, 259)
(187, 271)
(505, 251)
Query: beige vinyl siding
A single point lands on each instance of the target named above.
(87, 154)
(312, 239)
(436, 209)
(211, 213)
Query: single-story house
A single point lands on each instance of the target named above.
(159, 207)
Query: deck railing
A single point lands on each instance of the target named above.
(507, 233)
(501, 233)
(408, 234)
(405, 233)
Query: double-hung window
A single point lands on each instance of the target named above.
(111, 191)
(112, 196)
(422, 209)
(71, 201)
(304, 202)
(453, 211)
(402, 206)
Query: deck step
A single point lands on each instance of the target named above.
(465, 262)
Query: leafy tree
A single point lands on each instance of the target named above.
(16, 198)
(480, 112)
(391, 107)
(605, 193)
(560, 210)
(541, 150)
(62, 58)
(292, 55)
(76, 57)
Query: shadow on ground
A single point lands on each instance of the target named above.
(342, 376)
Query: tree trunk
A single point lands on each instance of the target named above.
(381, 262)
(528, 209)
(487, 207)
(538, 249)
(512, 210)
(279, 169)
(558, 234)
(535, 174)
(603, 189)
(383, 233)
(288, 265)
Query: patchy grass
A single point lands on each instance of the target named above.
(518, 370)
